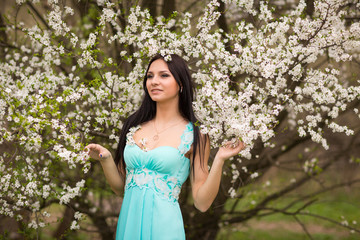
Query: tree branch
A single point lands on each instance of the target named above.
(38, 14)
(303, 227)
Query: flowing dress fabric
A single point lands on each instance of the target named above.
(150, 208)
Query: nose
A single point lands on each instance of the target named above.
(155, 80)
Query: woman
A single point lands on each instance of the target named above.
(159, 148)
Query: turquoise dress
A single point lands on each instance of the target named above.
(150, 208)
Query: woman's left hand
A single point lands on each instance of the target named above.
(230, 149)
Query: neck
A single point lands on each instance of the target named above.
(167, 112)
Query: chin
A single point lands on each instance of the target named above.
(161, 98)
(155, 99)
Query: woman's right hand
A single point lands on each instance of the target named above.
(98, 152)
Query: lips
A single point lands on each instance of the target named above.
(156, 90)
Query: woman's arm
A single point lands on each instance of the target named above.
(111, 172)
(205, 184)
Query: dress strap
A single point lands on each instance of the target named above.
(187, 139)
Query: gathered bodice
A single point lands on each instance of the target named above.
(163, 169)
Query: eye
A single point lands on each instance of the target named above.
(149, 76)
(165, 75)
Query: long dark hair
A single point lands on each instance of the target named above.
(147, 110)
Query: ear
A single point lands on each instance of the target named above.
(180, 87)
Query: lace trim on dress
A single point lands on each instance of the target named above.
(186, 139)
(129, 136)
(166, 186)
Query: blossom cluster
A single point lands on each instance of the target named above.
(64, 85)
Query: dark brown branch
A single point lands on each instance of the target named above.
(60, 232)
(168, 8)
(329, 220)
(222, 23)
(262, 205)
(38, 14)
(320, 27)
(316, 193)
(191, 6)
(291, 187)
(98, 134)
(303, 227)
(310, 7)
(151, 5)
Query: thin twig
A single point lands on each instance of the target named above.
(303, 227)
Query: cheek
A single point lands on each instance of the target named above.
(178, 87)
(175, 86)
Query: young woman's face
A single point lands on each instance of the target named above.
(160, 83)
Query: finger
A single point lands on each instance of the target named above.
(227, 144)
(241, 146)
(94, 147)
(235, 143)
(91, 146)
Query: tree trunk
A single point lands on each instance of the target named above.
(222, 19)
(104, 229)
(3, 37)
(168, 8)
(151, 5)
(65, 224)
(309, 7)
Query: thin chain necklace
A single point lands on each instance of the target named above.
(156, 136)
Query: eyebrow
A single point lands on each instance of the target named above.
(164, 71)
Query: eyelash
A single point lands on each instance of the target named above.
(163, 75)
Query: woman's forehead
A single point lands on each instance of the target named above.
(159, 65)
